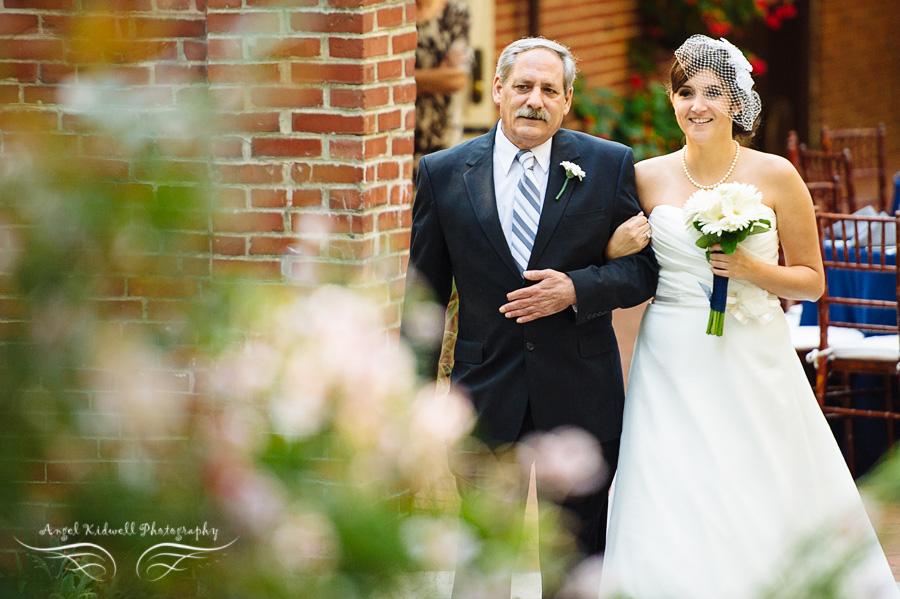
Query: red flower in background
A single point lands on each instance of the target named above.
(636, 82)
(718, 28)
(773, 22)
(760, 66)
(787, 11)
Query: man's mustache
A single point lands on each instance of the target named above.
(533, 113)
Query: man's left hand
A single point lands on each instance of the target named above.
(554, 292)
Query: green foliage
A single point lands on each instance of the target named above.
(883, 481)
(40, 578)
(729, 239)
(641, 118)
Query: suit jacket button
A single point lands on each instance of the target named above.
(529, 346)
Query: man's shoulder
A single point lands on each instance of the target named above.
(458, 154)
(596, 144)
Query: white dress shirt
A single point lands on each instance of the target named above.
(508, 171)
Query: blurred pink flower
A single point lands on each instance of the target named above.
(248, 371)
(299, 400)
(138, 398)
(238, 428)
(439, 543)
(254, 501)
(584, 580)
(305, 540)
(567, 461)
(424, 323)
(441, 416)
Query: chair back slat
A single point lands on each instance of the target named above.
(819, 167)
(826, 195)
(793, 148)
(867, 146)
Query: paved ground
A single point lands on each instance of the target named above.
(888, 527)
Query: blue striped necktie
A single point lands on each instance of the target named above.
(526, 212)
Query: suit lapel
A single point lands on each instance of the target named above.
(480, 185)
(564, 148)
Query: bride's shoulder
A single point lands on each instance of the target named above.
(651, 169)
(771, 166)
(777, 178)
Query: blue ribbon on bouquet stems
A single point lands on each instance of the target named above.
(717, 301)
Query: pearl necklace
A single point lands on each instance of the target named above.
(737, 152)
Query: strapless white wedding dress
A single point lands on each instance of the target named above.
(730, 484)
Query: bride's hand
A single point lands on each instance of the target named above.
(734, 266)
(629, 238)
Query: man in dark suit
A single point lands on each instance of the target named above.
(525, 245)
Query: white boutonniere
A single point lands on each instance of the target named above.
(572, 170)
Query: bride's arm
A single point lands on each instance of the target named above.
(802, 277)
(629, 238)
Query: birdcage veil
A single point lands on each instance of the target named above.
(711, 64)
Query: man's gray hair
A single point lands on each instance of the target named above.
(507, 59)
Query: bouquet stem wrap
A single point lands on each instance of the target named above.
(717, 303)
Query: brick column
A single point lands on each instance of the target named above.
(314, 153)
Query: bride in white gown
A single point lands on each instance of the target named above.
(730, 484)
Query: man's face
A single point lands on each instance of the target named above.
(532, 102)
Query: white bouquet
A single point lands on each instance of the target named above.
(725, 215)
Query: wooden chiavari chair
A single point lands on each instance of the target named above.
(861, 246)
(793, 149)
(867, 146)
(818, 166)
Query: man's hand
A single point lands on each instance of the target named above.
(554, 293)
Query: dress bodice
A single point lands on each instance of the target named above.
(684, 273)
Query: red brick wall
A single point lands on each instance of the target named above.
(311, 108)
(855, 68)
(511, 21)
(315, 105)
(320, 135)
(597, 31)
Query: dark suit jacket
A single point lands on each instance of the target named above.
(567, 364)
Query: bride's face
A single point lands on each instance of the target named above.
(702, 107)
